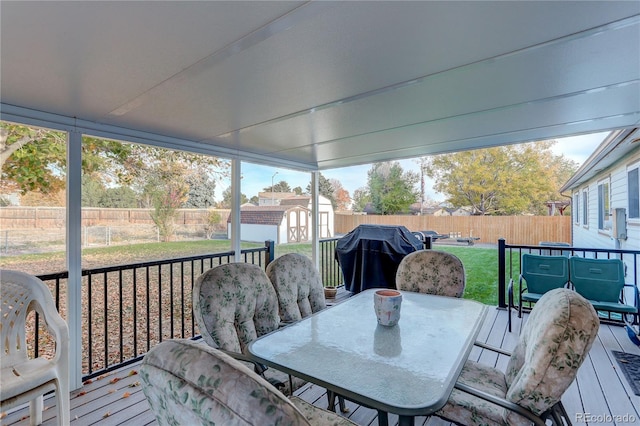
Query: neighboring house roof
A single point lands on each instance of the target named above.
(299, 200)
(263, 215)
(615, 146)
(276, 195)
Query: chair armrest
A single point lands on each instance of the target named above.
(501, 402)
(56, 325)
(492, 348)
(259, 368)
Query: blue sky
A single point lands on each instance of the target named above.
(257, 177)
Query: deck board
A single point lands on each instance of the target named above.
(600, 388)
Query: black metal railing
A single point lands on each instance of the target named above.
(509, 264)
(329, 268)
(127, 309)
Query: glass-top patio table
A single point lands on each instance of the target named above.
(409, 369)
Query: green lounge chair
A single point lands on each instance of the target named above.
(601, 281)
(539, 275)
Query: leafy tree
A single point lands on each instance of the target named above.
(504, 180)
(361, 198)
(201, 191)
(281, 186)
(298, 190)
(341, 198)
(328, 188)
(35, 159)
(120, 197)
(167, 189)
(92, 191)
(226, 199)
(391, 188)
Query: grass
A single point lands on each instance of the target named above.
(481, 264)
(481, 268)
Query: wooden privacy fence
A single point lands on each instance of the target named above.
(54, 217)
(522, 230)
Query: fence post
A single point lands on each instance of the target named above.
(502, 273)
(271, 251)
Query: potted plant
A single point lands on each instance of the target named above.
(330, 291)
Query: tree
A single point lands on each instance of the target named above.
(341, 198)
(391, 189)
(361, 198)
(35, 159)
(201, 191)
(120, 197)
(505, 180)
(226, 199)
(332, 189)
(281, 186)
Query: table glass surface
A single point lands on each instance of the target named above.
(407, 369)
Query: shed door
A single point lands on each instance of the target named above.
(298, 226)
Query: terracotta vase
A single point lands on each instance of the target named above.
(330, 292)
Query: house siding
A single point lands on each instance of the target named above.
(590, 235)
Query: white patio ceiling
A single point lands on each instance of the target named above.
(317, 85)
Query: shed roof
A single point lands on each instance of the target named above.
(264, 215)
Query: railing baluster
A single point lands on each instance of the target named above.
(148, 319)
(135, 312)
(121, 307)
(182, 330)
(90, 322)
(160, 304)
(106, 320)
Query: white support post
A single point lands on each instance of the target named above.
(315, 219)
(74, 256)
(236, 166)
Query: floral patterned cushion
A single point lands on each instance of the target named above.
(433, 272)
(233, 305)
(470, 410)
(190, 383)
(298, 285)
(319, 417)
(554, 342)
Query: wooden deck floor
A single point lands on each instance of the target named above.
(600, 389)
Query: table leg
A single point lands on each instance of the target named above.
(406, 421)
(383, 418)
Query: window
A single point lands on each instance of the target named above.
(634, 193)
(585, 207)
(576, 207)
(604, 206)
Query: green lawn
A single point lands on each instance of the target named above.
(481, 268)
(481, 264)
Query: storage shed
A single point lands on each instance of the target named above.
(282, 224)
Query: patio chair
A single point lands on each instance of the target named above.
(298, 286)
(24, 379)
(189, 383)
(233, 305)
(432, 272)
(300, 293)
(554, 342)
(601, 281)
(539, 274)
